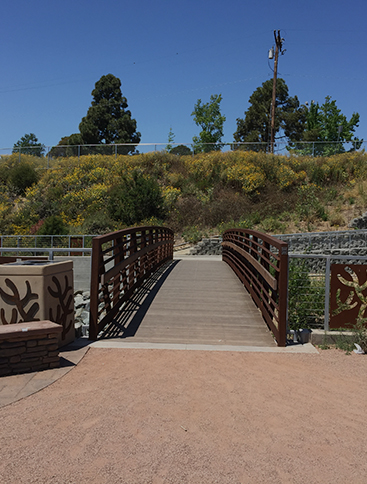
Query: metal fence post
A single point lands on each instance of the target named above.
(327, 294)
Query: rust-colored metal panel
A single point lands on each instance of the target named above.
(348, 295)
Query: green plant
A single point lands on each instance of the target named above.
(99, 223)
(305, 296)
(53, 225)
(344, 343)
(272, 224)
(21, 176)
(360, 331)
(192, 234)
(135, 198)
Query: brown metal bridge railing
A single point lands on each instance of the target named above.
(261, 263)
(121, 262)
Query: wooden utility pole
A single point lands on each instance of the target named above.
(278, 48)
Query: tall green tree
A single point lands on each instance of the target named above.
(108, 120)
(29, 145)
(210, 119)
(67, 146)
(255, 126)
(326, 123)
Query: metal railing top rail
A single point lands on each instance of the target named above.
(250, 233)
(51, 251)
(327, 256)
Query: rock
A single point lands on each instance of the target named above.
(78, 301)
(359, 222)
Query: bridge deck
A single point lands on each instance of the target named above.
(192, 302)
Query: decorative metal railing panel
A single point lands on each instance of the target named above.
(261, 263)
(121, 262)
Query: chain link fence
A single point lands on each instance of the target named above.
(311, 148)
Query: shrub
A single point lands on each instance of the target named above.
(22, 176)
(181, 150)
(53, 225)
(98, 224)
(306, 296)
(135, 199)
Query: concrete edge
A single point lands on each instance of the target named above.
(321, 337)
(307, 348)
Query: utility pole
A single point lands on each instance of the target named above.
(278, 49)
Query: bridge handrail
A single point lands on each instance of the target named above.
(121, 262)
(261, 263)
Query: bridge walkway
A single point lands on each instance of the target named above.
(192, 301)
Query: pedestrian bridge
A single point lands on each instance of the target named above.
(140, 293)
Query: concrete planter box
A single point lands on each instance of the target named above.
(37, 291)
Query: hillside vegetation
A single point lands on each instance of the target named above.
(195, 195)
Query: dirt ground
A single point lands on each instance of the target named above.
(164, 416)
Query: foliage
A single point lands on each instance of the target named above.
(207, 190)
(308, 205)
(28, 144)
(305, 296)
(21, 176)
(192, 234)
(53, 225)
(67, 146)
(171, 139)
(327, 123)
(210, 120)
(135, 198)
(256, 126)
(108, 120)
(98, 223)
(181, 150)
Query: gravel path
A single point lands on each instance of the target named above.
(161, 416)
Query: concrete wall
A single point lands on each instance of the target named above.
(82, 271)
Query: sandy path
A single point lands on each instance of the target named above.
(120, 417)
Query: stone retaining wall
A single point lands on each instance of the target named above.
(208, 246)
(350, 242)
(26, 347)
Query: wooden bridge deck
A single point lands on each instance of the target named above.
(192, 302)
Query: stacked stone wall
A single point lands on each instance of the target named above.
(208, 246)
(351, 242)
(27, 347)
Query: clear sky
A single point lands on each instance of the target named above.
(168, 54)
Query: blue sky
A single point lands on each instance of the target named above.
(168, 55)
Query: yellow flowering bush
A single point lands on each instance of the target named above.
(250, 177)
(170, 196)
(79, 189)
